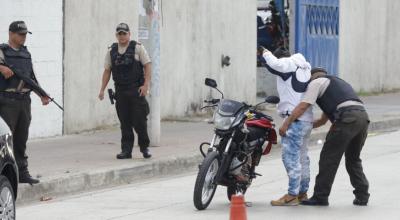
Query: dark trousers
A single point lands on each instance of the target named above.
(347, 136)
(17, 114)
(132, 112)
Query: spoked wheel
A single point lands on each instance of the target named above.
(205, 187)
(7, 199)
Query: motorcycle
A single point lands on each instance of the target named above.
(242, 135)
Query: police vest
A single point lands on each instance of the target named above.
(19, 60)
(337, 92)
(127, 72)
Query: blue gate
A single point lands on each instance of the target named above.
(317, 32)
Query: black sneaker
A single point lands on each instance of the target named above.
(315, 202)
(360, 202)
(146, 154)
(27, 178)
(124, 155)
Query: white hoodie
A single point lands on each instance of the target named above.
(293, 73)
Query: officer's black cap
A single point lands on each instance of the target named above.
(317, 70)
(122, 27)
(19, 27)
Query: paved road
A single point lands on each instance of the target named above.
(171, 198)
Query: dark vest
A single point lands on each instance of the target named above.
(127, 72)
(337, 92)
(18, 60)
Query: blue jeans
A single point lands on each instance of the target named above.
(295, 156)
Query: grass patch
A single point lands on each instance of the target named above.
(363, 93)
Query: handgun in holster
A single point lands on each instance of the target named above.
(111, 94)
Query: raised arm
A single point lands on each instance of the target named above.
(280, 67)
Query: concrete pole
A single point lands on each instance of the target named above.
(149, 31)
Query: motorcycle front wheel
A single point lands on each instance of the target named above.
(205, 187)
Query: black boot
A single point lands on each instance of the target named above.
(146, 154)
(124, 155)
(27, 178)
(360, 202)
(313, 201)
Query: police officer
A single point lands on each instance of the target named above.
(341, 105)
(130, 66)
(15, 101)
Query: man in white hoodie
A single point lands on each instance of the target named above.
(293, 74)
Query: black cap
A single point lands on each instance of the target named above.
(281, 52)
(318, 70)
(19, 27)
(122, 27)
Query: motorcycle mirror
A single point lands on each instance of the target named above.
(272, 99)
(211, 83)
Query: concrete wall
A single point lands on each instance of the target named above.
(266, 83)
(44, 19)
(194, 35)
(368, 45)
(89, 31)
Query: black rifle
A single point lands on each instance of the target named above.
(32, 83)
(111, 94)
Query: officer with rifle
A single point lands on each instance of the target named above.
(17, 80)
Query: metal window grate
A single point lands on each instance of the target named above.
(322, 20)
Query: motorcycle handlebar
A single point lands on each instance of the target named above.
(212, 101)
(208, 106)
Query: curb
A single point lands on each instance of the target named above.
(116, 176)
(100, 179)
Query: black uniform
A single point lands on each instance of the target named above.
(347, 136)
(15, 103)
(132, 109)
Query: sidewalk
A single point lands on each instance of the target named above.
(76, 163)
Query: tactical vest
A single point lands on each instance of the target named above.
(20, 60)
(337, 92)
(127, 72)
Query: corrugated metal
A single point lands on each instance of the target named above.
(317, 32)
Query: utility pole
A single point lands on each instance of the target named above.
(149, 35)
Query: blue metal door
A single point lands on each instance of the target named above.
(317, 32)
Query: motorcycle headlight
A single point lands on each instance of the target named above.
(223, 123)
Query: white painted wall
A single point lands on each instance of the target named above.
(89, 31)
(194, 35)
(369, 57)
(44, 19)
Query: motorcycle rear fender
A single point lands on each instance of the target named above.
(272, 139)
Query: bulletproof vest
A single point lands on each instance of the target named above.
(18, 60)
(127, 72)
(337, 92)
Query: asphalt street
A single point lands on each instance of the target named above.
(171, 198)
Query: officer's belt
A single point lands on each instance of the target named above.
(15, 95)
(119, 86)
(340, 111)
